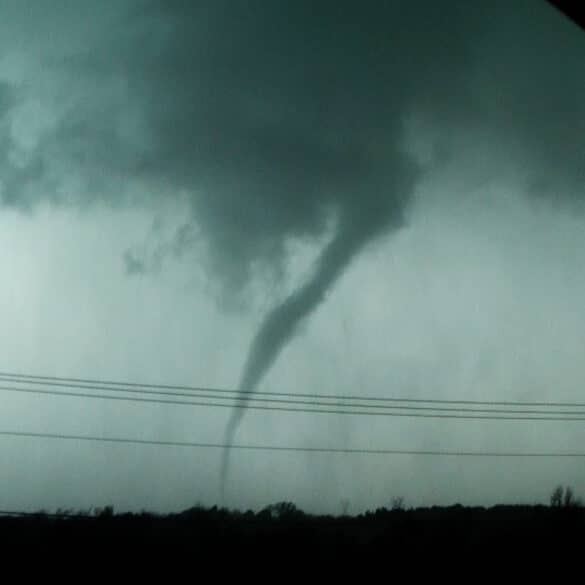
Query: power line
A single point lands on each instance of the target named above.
(253, 399)
(109, 385)
(333, 401)
(281, 448)
(466, 414)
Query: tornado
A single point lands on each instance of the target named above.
(358, 225)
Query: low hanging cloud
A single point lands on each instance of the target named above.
(272, 116)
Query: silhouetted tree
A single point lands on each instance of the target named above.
(283, 510)
(564, 497)
(106, 512)
(556, 498)
(569, 498)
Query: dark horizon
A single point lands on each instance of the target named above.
(305, 226)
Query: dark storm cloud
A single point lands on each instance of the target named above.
(275, 112)
(272, 115)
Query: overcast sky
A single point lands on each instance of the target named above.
(171, 171)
